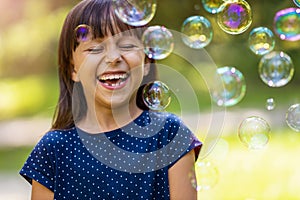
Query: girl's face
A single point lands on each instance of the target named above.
(110, 69)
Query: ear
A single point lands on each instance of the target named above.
(75, 76)
(147, 66)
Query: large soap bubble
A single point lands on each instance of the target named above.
(276, 69)
(197, 32)
(158, 42)
(212, 6)
(293, 117)
(156, 95)
(287, 24)
(135, 12)
(232, 88)
(234, 16)
(297, 2)
(261, 40)
(254, 132)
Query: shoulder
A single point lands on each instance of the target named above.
(57, 136)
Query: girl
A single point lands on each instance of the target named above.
(104, 143)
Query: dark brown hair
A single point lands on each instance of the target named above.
(98, 14)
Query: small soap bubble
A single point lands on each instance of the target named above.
(207, 176)
(276, 69)
(261, 40)
(254, 132)
(197, 32)
(135, 12)
(212, 6)
(287, 24)
(234, 16)
(83, 33)
(158, 42)
(156, 95)
(270, 104)
(297, 2)
(293, 117)
(231, 89)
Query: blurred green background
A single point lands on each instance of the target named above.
(29, 32)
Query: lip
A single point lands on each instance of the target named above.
(123, 78)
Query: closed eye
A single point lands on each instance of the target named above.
(95, 50)
(128, 47)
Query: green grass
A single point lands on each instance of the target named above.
(13, 158)
(271, 173)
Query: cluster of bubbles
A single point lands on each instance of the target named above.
(233, 17)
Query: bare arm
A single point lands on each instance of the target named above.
(40, 192)
(179, 178)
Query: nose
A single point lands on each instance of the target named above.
(113, 56)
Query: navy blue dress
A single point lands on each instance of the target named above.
(131, 162)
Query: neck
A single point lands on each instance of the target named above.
(103, 119)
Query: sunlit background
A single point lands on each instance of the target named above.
(232, 170)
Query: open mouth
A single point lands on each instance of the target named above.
(113, 80)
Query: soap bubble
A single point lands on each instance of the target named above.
(135, 12)
(276, 69)
(83, 33)
(293, 117)
(212, 6)
(297, 2)
(261, 40)
(234, 16)
(156, 95)
(207, 175)
(270, 104)
(197, 32)
(287, 24)
(232, 89)
(254, 132)
(158, 42)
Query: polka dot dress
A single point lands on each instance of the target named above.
(112, 165)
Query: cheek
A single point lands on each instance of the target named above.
(135, 59)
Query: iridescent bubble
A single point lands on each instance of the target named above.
(297, 2)
(261, 40)
(234, 16)
(287, 24)
(232, 88)
(254, 132)
(197, 32)
(212, 6)
(135, 12)
(158, 42)
(293, 117)
(156, 95)
(83, 33)
(276, 69)
(207, 175)
(270, 104)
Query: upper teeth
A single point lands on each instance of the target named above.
(112, 76)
